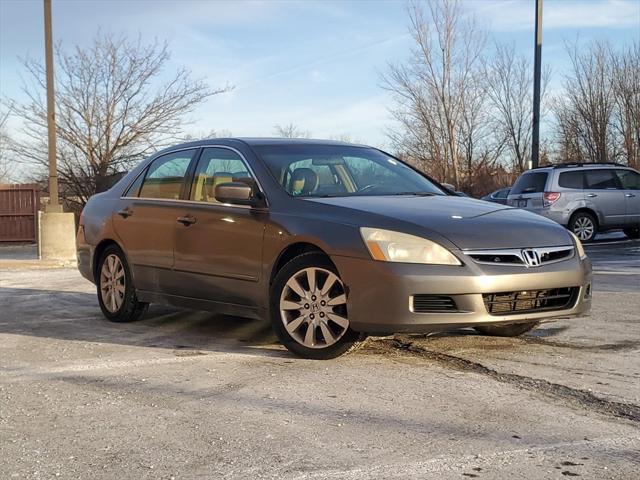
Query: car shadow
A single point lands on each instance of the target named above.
(76, 316)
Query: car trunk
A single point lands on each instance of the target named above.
(528, 191)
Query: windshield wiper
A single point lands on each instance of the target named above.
(417, 194)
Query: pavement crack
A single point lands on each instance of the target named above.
(584, 399)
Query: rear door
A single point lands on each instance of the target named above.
(147, 217)
(630, 181)
(528, 191)
(603, 194)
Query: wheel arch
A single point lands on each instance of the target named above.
(291, 251)
(98, 251)
(588, 210)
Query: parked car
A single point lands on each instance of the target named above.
(499, 196)
(452, 190)
(331, 241)
(587, 198)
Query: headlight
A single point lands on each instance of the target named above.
(389, 246)
(579, 246)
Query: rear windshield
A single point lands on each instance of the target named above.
(533, 182)
(571, 179)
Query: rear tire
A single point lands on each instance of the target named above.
(512, 330)
(116, 292)
(633, 232)
(584, 226)
(308, 309)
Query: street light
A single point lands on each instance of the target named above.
(535, 136)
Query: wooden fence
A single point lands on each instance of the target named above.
(19, 205)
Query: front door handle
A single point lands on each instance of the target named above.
(629, 195)
(125, 212)
(186, 220)
(591, 195)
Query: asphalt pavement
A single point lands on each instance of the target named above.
(188, 395)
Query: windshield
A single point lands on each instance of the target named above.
(341, 171)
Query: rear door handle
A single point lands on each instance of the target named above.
(125, 212)
(629, 195)
(186, 220)
(591, 195)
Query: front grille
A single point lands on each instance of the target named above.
(499, 258)
(432, 304)
(509, 303)
(514, 257)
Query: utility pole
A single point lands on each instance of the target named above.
(54, 202)
(537, 63)
(57, 230)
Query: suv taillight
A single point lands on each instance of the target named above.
(549, 198)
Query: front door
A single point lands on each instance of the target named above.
(603, 194)
(147, 216)
(218, 257)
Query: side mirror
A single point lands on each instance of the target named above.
(451, 190)
(236, 193)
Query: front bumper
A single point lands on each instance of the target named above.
(379, 293)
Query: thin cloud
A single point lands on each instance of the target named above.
(518, 15)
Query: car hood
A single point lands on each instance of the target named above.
(467, 223)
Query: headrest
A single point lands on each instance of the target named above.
(303, 181)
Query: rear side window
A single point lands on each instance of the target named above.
(629, 179)
(504, 193)
(572, 179)
(165, 176)
(600, 179)
(134, 189)
(533, 182)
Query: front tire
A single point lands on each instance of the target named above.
(116, 293)
(308, 309)
(633, 232)
(584, 226)
(512, 330)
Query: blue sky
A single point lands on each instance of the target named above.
(314, 64)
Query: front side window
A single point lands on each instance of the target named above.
(533, 182)
(217, 166)
(338, 171)
(165, 176)
(629, 179)
(572, 179)
(600, 179)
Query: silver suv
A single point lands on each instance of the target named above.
(585, 198)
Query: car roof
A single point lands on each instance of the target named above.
(256, 141)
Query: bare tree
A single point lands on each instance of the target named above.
(436, 90)
(586, 106)
(626, 88)
(114, 105)
(4, 140)
(509, 87)
(290, 131)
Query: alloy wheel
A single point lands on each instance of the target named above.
(112, 283)
(313, 307)
(583, 227)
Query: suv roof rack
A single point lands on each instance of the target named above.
(579, 164)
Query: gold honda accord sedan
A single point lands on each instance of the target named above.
(328, 240)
